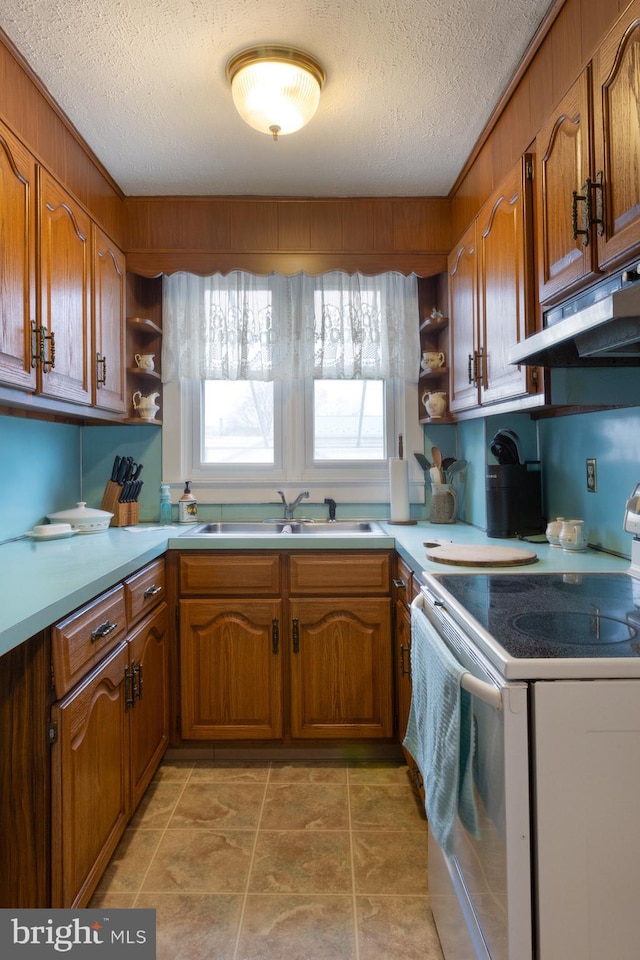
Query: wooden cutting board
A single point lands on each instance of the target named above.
(477, 555)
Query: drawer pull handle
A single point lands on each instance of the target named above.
(399, 584)
(152, 591)
(404, 672)
(129, 688)
(137, 680)
(103, 630)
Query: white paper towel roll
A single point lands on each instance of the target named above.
(399, 489)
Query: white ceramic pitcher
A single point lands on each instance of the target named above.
(573, 535)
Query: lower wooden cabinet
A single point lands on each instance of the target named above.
(25, 694)
(341, 684)
(90, 779)
(110, 733)
(231, 669)
(293, 665)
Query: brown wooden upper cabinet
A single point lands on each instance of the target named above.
(17, 261)
(563, 163)
(65, 295)
(108, 307)
(616, 77)
(587, 158)
(490, 297)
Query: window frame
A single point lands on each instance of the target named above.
(355, 481)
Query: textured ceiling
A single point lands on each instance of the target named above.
(410, 86)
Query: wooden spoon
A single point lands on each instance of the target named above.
(437, 460)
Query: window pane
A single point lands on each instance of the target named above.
(348, 420)
(237, 421)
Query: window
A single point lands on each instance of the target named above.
(296, 381)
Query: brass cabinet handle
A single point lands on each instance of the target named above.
(101, 362)
(129, 696)
(103, 630)
(296, 635)
(583, 231)
(471, 369)
(137, 680)
(49, 364)
(480, 367)
(275, 635)
(404, 671)
(595, 189)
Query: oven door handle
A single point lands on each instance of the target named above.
(477, 688)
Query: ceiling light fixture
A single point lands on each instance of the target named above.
(276, 90)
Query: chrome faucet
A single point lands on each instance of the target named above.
(290, 507)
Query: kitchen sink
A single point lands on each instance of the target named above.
(270, 528)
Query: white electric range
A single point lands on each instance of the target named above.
(550, 867)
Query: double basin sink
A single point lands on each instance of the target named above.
(270, 528)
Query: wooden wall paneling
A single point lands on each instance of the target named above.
(364, 225)
(254, 226)
(540, 76)
(567, 48)
(294, 226)
(327, 224)
(596, 19)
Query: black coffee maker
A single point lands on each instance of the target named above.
(513, 490)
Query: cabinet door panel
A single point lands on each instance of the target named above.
(341, 668)
(562, 166)
(504, 252)
(230, 669)
(17, 261)
(90, 780)
(65, 293)
(149, 665)
(108, 323)
(617, 135)
(463, 319)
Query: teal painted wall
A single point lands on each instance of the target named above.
(39, 472)
(46, 467)
(562, 444)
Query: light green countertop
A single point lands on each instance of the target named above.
(40, 582)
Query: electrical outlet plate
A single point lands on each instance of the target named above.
(592, 474)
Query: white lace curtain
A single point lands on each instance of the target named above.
(246, 327)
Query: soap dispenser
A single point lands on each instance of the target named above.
(187, 506)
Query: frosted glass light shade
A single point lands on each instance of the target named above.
(276, 90)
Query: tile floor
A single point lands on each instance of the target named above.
(278, 861)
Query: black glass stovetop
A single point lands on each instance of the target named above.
(553, 615)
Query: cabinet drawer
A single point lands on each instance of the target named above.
(81, 640)
(230, 575)
(340, 574)
(144, 590)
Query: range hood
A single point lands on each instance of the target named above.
(601, 328)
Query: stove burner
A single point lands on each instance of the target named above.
(577, 629)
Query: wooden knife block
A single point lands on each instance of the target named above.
(124, 514)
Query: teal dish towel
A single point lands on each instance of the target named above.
(440, 733)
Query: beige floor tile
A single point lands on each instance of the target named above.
(384, 807)
(232, 806)
(204, 861)
(379, 773)
(298, 928)
(178, 770)
(106, 900)
(309, 772)
(398, 927)
(390, 863)
(193, 926)
(302, 806)
(130, 861)
(157, 805)
(221, 771)
(302, 861)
